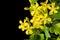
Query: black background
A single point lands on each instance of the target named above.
(21, 14)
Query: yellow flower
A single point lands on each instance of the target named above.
(38, 25)
(46, 1)
(34, 12)
(24, 24)
(46, 18)
(34, 9)
(29, 32)
(36, 20)
(36, 17)
(22, 27)
(39, 8)
(26, 20)
(30, 1)
(45, 5)
(41, 27)
(26, 8)
(53, 9)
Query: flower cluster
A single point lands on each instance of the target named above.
(40, 16)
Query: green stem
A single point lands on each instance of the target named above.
(46, 31)
(46, 38)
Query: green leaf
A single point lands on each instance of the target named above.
(37, 31)
(32, 37)
(57, 15)
(55, 29)
(35, 35)
(58, 38)
(52, 38)
(51, 29)
(58, 3)
(41, 36)
(46, 31)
